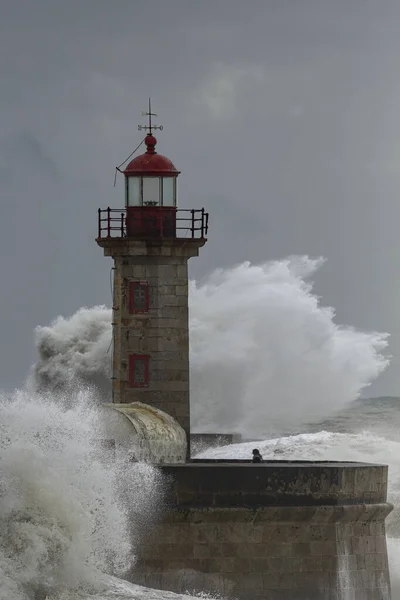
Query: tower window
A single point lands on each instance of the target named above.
(139, 297)
(139, 370)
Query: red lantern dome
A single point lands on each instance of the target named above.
(151, 163)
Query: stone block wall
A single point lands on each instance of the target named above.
(162, 332)
(262, 534)
(326, 553)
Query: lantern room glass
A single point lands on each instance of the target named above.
(151, 191)
(169, 195)
(134, 191)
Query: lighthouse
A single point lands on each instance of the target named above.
(277, 529)
(150, 241)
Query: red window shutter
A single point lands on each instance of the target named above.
(139, 297)
(139, 370)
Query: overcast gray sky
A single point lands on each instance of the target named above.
(283, 116)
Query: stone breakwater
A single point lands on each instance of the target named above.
(277, 531)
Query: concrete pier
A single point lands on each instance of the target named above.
(273, 531)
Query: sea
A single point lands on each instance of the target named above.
(268, 361)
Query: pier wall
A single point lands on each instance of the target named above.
(274, 531)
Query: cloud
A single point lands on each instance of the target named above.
(283, 120)
(24, 150)
(224, 88)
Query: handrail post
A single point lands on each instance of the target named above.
(99, 223)
(202, 222)
(192, 211)
(206, 225)
(108, 222)
(122, 224)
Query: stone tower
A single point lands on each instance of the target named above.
(151, 241)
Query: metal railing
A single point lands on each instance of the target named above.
(157, 223)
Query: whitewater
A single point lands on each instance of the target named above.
(267, 361)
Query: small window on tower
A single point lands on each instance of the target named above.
(139, 370)
(138, 297)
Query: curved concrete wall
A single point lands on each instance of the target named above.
(145, 433)
(276, 531)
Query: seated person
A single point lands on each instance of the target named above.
(257, 458)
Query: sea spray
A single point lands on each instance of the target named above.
(265, 354)
(344, 574)
(75, 350)
(393, 546)
(64, 514)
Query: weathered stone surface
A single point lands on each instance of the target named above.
(286, 544)
(289, 483)
(177, 248)
(162, 332)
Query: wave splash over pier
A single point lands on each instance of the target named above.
(267, 360)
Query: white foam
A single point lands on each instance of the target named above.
(64, 515)
(265, 354)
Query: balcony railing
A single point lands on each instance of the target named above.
(143, 222)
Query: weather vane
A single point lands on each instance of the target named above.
(150, 126)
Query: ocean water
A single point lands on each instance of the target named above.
(268, 360)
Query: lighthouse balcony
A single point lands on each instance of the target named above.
(152, 222)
